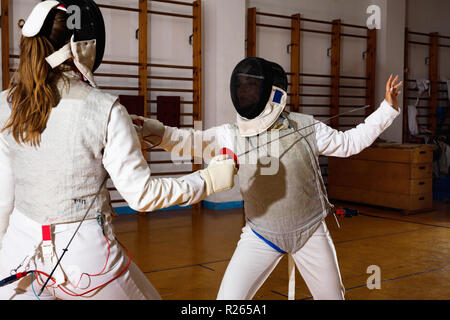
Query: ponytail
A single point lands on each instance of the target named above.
(33, 90)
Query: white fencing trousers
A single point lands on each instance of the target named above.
(254, 260)
(87, 253)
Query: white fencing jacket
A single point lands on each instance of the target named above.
(285, 207)
(281, 183)
(120, 156)
(330, 142)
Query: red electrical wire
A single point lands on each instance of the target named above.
(98, 287)
(46, 275)
(101, 272)
(83, 274)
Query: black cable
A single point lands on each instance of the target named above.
(73, 236)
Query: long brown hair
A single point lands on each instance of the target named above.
(33, 89)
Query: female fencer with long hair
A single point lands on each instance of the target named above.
(285, 199)
(60, 138)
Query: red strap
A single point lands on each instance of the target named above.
(46, 233)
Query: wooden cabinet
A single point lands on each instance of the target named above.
(397, 176)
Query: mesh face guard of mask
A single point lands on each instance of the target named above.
(252, 83)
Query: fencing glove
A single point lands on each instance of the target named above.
(219, 175)
(150, 130)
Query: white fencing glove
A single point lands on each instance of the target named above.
(219, 175)
(150, 130)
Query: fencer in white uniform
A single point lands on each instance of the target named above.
(285, 199)
(46, 190)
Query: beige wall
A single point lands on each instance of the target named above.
(429, 16)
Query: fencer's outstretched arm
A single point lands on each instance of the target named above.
(205, 144)
(131, 174)
(331, 142)
(6, 187)
(186, 142)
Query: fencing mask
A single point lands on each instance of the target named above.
(85, 23)
(258, 91)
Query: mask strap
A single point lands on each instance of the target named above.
(84, 58)
(59, 57)
(81, 53)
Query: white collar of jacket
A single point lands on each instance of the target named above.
(82, 53)
(270, 114)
